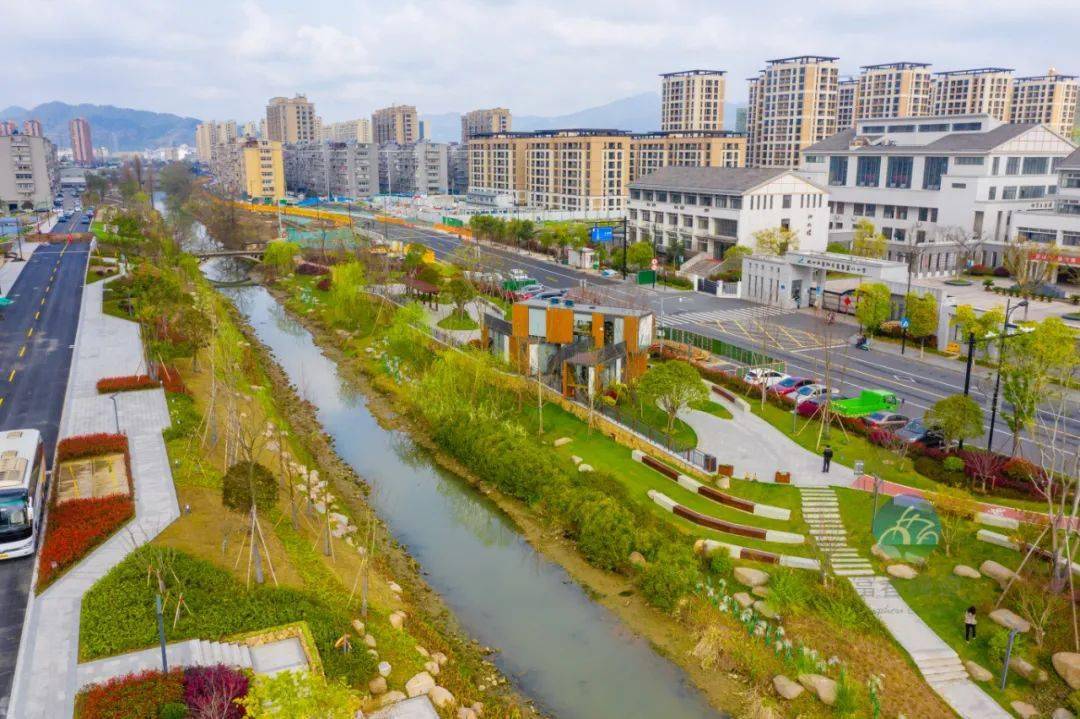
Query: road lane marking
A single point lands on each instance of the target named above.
(22, 351)
(37, 315)
(1, 401)
(11, 377)
(30, 332)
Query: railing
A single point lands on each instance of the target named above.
(750, 358)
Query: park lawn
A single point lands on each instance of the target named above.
(605, 454)
(714, 408)
(454, 321)
(683, 435)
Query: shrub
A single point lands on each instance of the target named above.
(90, 445)
(672, 574)
(312, 268)
(1019, 469)
(183, 415)
(1001, 272)
(76, 527)
(979, 270)
(128, 383)
(323, 285)
(211, 692)
(135, 696)
(606, 534)
(953, 464)
(248, 482)
(1074, 701)
(175, 710)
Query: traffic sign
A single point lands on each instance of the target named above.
(655, 264)
(904, 323)
(602, 233)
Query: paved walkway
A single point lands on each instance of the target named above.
(46, 674)
(821, 511)
(11, 269)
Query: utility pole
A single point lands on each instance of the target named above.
(1001, 360)
(624, 248)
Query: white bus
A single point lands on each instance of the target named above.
(22, 481)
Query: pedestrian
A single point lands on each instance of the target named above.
(826, 457)
(969, 624)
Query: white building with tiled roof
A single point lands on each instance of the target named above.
(1058, 225)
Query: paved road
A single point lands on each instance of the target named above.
(36, 336)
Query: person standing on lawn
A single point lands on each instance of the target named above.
(826, 457)
(969, 624)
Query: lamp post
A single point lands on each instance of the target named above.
(116, 411)
(677, 298)
(1001, 356)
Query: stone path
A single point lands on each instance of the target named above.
(821, 513)
(46, 673)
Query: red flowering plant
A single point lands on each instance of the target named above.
(135, 696)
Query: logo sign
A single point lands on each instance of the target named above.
(1055, 258)
(655, 263)
(847, 300)
(905, 322)
(907, 526)
(602, 233)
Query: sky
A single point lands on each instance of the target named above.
(222, 59)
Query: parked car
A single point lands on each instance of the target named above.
(790, 384)
(885, 420)
(549, 294)
(812, 407)
(526, 292)
(608, 272)
(768, 377)
(809, 391)
(917, 431)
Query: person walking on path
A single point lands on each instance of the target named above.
(969, 624)
(826, 457)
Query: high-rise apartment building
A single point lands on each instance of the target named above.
(397, 123)
(846, 90)
(480, 122)
(981, 91)
(250, 129)
(358, 130)
(82, 147)
(32, 128)
(209, 135)
(793, 104)
(417, 168)
(1049, 99)
(692, 100)
(250, 168)
(895, 89)
(291, 120)
(651, 151)
(226, 132)
(337, 169)
(8, 127)
(29, 174)
(459, 168)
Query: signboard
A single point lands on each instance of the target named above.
(655, 264)
(602, 233)
(452, 222)
(904, 323)
(1055, 258)
(646, 277)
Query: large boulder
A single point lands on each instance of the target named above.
(432, 667)
(787, 688)
(397, 619)
(750, 577)
(441, 697)
(765, 609)
(820, 686)
(584, 467)
(637, 559)
(998, 572)
(384, 668)
(1027, 670)
(978, 672)
(377, 686)
(1062, 713)
(1024, 710)
(1010, 620)
(901, 571)
(963, 570)
(1067, 665)
(421, 683)
(561, 441)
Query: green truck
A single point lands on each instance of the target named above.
(868, 402)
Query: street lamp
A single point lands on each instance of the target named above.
(1001, 356)
(677, 298)
(116, 411)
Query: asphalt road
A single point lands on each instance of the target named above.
(36, 337)
(918, 384)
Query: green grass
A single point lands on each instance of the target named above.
(682, 434)
(604, 453)
(714, 408)
(453, 321)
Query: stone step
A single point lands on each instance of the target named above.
(853, 572)
(849, 560)
(946, 676)
(946, 661)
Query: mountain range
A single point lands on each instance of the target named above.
(117, 128)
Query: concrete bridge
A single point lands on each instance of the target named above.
(253, 253)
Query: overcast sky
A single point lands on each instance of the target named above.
(224, 58)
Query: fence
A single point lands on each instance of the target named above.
(718, 347)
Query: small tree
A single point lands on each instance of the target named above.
(868, 242)
(460, 292)
(299, 695)
(953, 510)
(982, 325)
(639, 254)
(922, 314)
(776, 241)
(957, 416)
(246, 483)
(874, 305)
(733, 259)
(674, 385)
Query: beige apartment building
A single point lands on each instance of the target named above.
(210, 134)
(358, 130)
(981, 91)
(846, 89)
(793, 104)
(251, 168)
(692, 100)
(397, 123)
(480, 122)
(718, 148)
(1049, 99)
(291, 120)
(895, 89)
(29, 174)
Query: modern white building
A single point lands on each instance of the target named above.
(932, 179)
(686, 211)
(338, 169)
(1058, 225)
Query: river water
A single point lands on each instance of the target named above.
(571, 656)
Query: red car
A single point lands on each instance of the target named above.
(789, 384)
(812, 407)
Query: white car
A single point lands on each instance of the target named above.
(809, 392)
(768, 377)
(518, 275)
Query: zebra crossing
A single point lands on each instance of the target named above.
(740, 314)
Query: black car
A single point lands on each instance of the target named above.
(917, 431)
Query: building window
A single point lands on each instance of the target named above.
(996, 166)
(970, 160)
(1031, 192)
(868, 172)
(838, 171)
(966, 126)
(993, 193)
(942, 127)
(1009, 193)
(1012, 166)
(1041, 236)
(933, 169)
(898, 172)
(873, 129)
(1036, 165)
(786, 202)
(1070, 239)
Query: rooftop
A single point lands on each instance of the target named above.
(579, 306)
(977, 71)
(561, 132)
(690, 134)
(901, 65)
(691, 73)
(1072, 162)
(803, 59)
(713, 179)
(964, 141)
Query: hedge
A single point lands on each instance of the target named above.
(135, 696)
(168, 378)
(91, 445)
(75, 528)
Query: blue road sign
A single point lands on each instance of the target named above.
(904, 323)
(602, 233)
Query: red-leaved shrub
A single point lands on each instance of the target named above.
(135, 696)
(211, 691)
(323, 285)
(90, 445)
(312, 268)
(77, 526)
(126, 383)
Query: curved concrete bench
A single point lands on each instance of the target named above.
(743, 505)
(709, 547)
(720, 525)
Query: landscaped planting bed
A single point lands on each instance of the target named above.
(167, 377)
(207, 692)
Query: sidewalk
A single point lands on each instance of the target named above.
(46, 674)
(11, 269)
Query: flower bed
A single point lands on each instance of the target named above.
(208, 691)
(75, 528)
(168, 378)
(90, 445)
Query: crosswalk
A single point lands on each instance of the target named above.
(740, 314)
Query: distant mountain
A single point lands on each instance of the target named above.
(637, 113)
(118, 128)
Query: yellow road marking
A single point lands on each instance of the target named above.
(30, 332)
(37, 315)
(42, 300)
(11, 377)
(1, 401)
(22, 351)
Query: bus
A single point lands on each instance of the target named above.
(22, 481)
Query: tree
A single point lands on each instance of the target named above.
(460, 292)
(957, 416)
(776, 241)
(1030, 274)
(674, 385)
(868, 242)
(639, 254)
(874, 305)
(982, 325)
(922, 314)
(246, 483)
(280, 256)
(299, 695)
